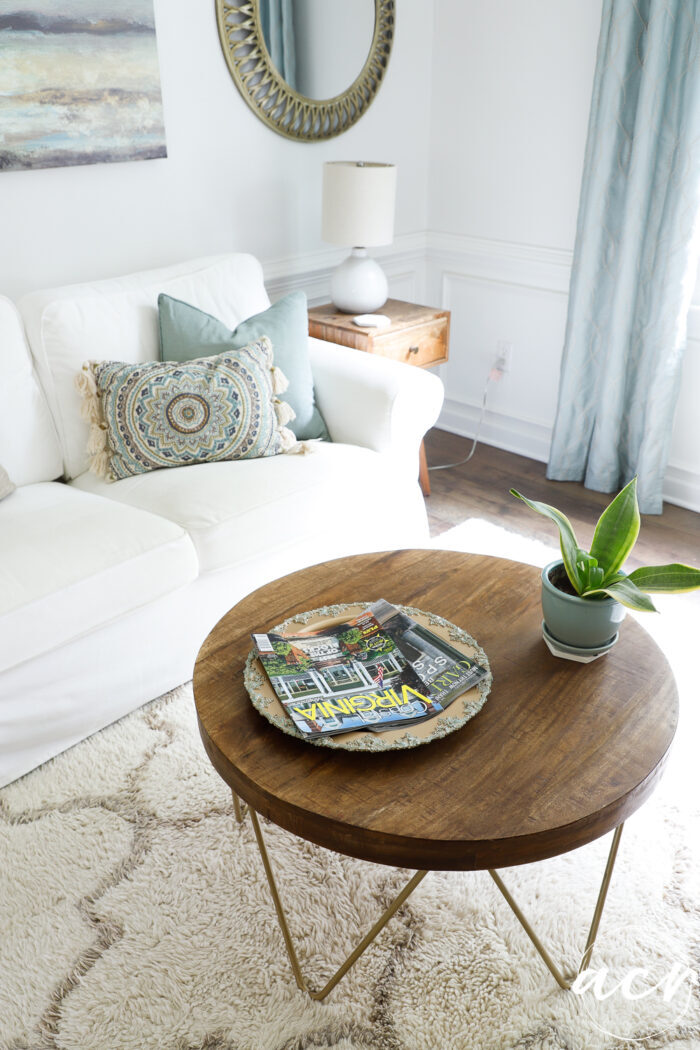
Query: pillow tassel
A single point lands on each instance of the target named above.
(87, 388)
(287, 439)
(279, 380)
(97, 440)
(292, 447)
(284, 412)
(101, 464)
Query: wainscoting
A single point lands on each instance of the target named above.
(501, 292)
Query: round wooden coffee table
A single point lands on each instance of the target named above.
(560, 754)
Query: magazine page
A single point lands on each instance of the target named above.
(346, 677)
(445, 671)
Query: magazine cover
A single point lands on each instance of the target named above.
(445, 672)
(345, 677)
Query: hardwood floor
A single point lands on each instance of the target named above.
(480, 489)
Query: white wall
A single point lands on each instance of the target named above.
(511, 88)
(229, 182)
(512, 85)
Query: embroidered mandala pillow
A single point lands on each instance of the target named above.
(167, 414)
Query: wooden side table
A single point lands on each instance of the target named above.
(417, 335)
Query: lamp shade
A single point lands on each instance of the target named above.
(358, 203)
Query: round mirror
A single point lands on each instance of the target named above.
(319, 47)
(308, 68)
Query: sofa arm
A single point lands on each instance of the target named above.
(373, 401)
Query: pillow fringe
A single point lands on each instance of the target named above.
(279, 380)
(101, 464)
(97, 440)
(300, 448)
(284, 412)
(91, 412)
(287, 439)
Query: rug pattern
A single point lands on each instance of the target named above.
(134, 915)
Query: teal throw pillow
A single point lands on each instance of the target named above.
(186, 332)
(164, 414)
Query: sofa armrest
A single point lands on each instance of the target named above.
(373, 401)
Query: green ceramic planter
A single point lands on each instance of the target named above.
(583, 622)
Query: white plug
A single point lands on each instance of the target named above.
(503, 358)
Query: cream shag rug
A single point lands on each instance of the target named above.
(134, 914)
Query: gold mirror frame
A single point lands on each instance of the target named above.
(280, 107)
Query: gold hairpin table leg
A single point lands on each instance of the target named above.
(559, 977)
(364, 943)
(238, 808)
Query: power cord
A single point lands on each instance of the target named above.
(494, 375)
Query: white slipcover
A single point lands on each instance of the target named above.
(335, 499)
(29, 448)
(77, 562)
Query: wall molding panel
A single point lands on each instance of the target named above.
(538, 278)
(500, 290)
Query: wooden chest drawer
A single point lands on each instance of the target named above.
(424, 345)
(417, 335)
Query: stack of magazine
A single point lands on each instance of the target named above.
(379, 670)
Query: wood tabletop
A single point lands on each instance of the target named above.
(401, 314)
(560, 753)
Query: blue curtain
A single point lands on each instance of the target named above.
(277, 21)
(635, 253)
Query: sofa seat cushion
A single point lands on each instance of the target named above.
(329, 502)
(79, 561)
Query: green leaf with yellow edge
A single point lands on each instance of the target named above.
(626, 593)
(617, 530)
(666, 579)
(567, 540)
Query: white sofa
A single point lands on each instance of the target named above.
(108, 590)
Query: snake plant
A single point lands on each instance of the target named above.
(598, 572)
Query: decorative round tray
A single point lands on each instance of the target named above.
(457, 714)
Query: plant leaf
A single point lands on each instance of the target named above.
(626, 593)
(595, 577)
(666, 579)
(590, 575)
(617, 530)
(570, 549)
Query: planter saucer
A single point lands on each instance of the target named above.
(573, 652)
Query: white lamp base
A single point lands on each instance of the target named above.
(359, 285)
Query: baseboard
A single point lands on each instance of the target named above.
(527, 438)
(682, 487)
(523, 436)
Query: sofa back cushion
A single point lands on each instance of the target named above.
(29, 448)
(117, 320)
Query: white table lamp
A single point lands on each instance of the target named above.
(358, 212)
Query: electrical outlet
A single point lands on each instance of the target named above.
(504, 357)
